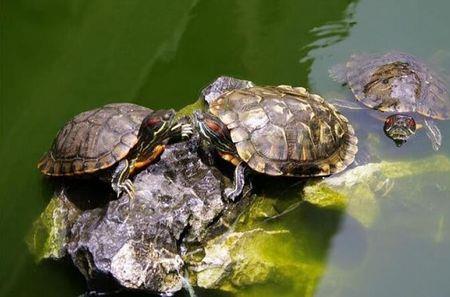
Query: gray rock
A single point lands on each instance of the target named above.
(141, 244)
(223, 84)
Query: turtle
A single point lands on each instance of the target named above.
(274, 130)
(401, 85)
(111, 142)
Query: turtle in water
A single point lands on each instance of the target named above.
(274, 130)
(401, 85)
(111, 142)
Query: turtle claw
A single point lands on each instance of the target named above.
(186, 130)
(175, 127)
(230, 194)
(128, 187)
(239, 182)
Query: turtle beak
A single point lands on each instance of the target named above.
(399, 134)
(399, 142)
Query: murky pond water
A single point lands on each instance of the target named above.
(62, 57)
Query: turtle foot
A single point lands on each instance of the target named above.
(126, 186)
(231, 194)
(186, 131)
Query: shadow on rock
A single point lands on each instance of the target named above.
(138, 244)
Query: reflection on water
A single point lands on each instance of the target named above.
(330, 33)
(61, 58)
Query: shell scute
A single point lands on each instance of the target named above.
(396, 82)
(254, 118)
(94, 140)
(270, 142)
(277, 111)
(287, 131)
(239, 134)
(246, 150)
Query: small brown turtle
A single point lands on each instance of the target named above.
(111, 142)
(274, 130)
(399, 84)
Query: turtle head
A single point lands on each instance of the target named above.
(214, 131)
(399, 128)
(156, 127)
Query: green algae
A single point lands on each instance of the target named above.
(189, 109)
(238, 261)
(433, 164)
(263, 254)
(48, 235)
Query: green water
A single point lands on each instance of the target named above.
(59, 58)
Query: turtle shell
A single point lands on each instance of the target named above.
(397, 82)
(94, 140)
(286, 131)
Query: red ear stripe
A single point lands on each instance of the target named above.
(152, 121)
(213, 126)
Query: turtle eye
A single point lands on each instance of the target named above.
(385, 81)
(389, 121)
(167, 116)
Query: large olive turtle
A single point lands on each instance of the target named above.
(275, 130)
(111, 142)
(401, 84)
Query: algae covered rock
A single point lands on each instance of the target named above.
(140, 245)
(251, 259)
(359, 189)
(180, 225)
(288, 247)
(50, 233)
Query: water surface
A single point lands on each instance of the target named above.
(59, 58)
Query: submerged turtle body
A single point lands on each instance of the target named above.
(395, 82)
(398, 83)
(94, 140)
(286, 131)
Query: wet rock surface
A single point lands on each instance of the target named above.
(180, 225)
(139, 244)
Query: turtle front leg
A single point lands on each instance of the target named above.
(183, 128)
(433, 133)
(239, 182)
(120, 181)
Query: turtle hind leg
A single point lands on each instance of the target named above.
(433, 133)
(239, 182)
(120, 182)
